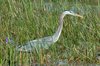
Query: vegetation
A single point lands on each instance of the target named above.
(24, 20)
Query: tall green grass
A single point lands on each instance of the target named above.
(24, 20)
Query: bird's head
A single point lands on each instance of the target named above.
(71, 13)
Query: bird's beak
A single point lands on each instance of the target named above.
(79, 16)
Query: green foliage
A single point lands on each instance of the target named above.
(25, 20)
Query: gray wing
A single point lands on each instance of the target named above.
(37, 44)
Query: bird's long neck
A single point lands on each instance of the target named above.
(59, 30)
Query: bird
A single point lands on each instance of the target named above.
(45, 42)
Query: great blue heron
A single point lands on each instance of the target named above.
(46, 41)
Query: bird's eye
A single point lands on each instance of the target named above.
(71, 11)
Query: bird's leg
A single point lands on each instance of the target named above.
(41, 57)
(20, 64)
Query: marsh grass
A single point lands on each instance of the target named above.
(24, 20)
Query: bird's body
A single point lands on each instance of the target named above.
(37, 44)
(46, 41)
